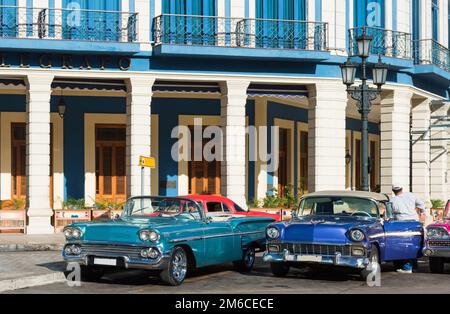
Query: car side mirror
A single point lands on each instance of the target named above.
(294, 213)
(208, 219)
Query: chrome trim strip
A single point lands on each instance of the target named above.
(396, 234)
(222, 235)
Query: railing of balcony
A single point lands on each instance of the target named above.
(237, 32)
(429, 51)
(68, 24)
(384, 42)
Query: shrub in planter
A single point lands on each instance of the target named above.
(74, 204)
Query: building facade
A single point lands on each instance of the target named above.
(87, 87)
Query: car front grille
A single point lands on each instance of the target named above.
(317, 249)
(116, 250)
(439, 243)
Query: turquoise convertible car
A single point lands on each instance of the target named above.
(168, 234)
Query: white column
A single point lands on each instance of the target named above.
(326, 136)
(143, 8)
(395, 141)
(139, 97)
(261, 165)
(425, 19)
(388, 14)
(233, 100)
(333, 13)
(403, 16)
(421, 148)
(443, 22)
(237, 8)
(439, 155)
(38, 153)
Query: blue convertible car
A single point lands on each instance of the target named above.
(164, 234)
(342, 229)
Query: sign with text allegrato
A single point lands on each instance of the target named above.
(65, 61)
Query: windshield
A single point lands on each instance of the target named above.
(338, 206)
(162, 207)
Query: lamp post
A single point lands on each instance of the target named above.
(364, 95)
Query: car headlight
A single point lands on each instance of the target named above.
(272, 233)
(437, 233)
(72, 233)
(357, 235)
(149, 235)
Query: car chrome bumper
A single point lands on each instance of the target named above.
(359, 262)
(128, 263)
(436, 252)
(123, 259)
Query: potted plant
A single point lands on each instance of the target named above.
(437, 209)
(13, 216)
(74, 210)
(107, 209)
(275, 203)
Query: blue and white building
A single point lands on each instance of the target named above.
(86, 87)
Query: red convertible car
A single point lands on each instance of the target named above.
(221, 204)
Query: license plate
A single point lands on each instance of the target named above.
(305, 258)
(105, 261)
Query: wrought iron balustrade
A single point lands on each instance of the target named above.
(68, 24)
(384, 42)
(429, 51)
(237, 32)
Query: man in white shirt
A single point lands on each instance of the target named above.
(406, 206)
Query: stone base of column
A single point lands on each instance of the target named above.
(40, 225)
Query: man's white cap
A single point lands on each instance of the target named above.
(397, 187)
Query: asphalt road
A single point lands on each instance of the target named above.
(223, 279)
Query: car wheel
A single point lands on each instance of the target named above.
(374, 259)
(247, 261)
(436, 265)
(175, 271)
(91, 273)
(279, 269)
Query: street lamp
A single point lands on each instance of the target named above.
(364, 95)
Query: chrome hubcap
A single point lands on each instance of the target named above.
(179, 266)
(249, 258)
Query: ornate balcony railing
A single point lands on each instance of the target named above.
(429, 51)
(237, 32)
(68, 24)
(384, 42)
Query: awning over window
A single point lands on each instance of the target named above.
(94, 85)
(182, 87)
(186, 87)
(277, 91)
(13, 82)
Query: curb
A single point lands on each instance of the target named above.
(30, 247)
(31, 281)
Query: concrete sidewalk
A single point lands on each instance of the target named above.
(24, 243)
(28, 269)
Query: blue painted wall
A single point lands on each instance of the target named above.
(12, 103)
(168, 111)
(281, 111)
(76, 107)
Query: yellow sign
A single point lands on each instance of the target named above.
(148, 162)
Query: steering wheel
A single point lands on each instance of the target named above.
(361, 212)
